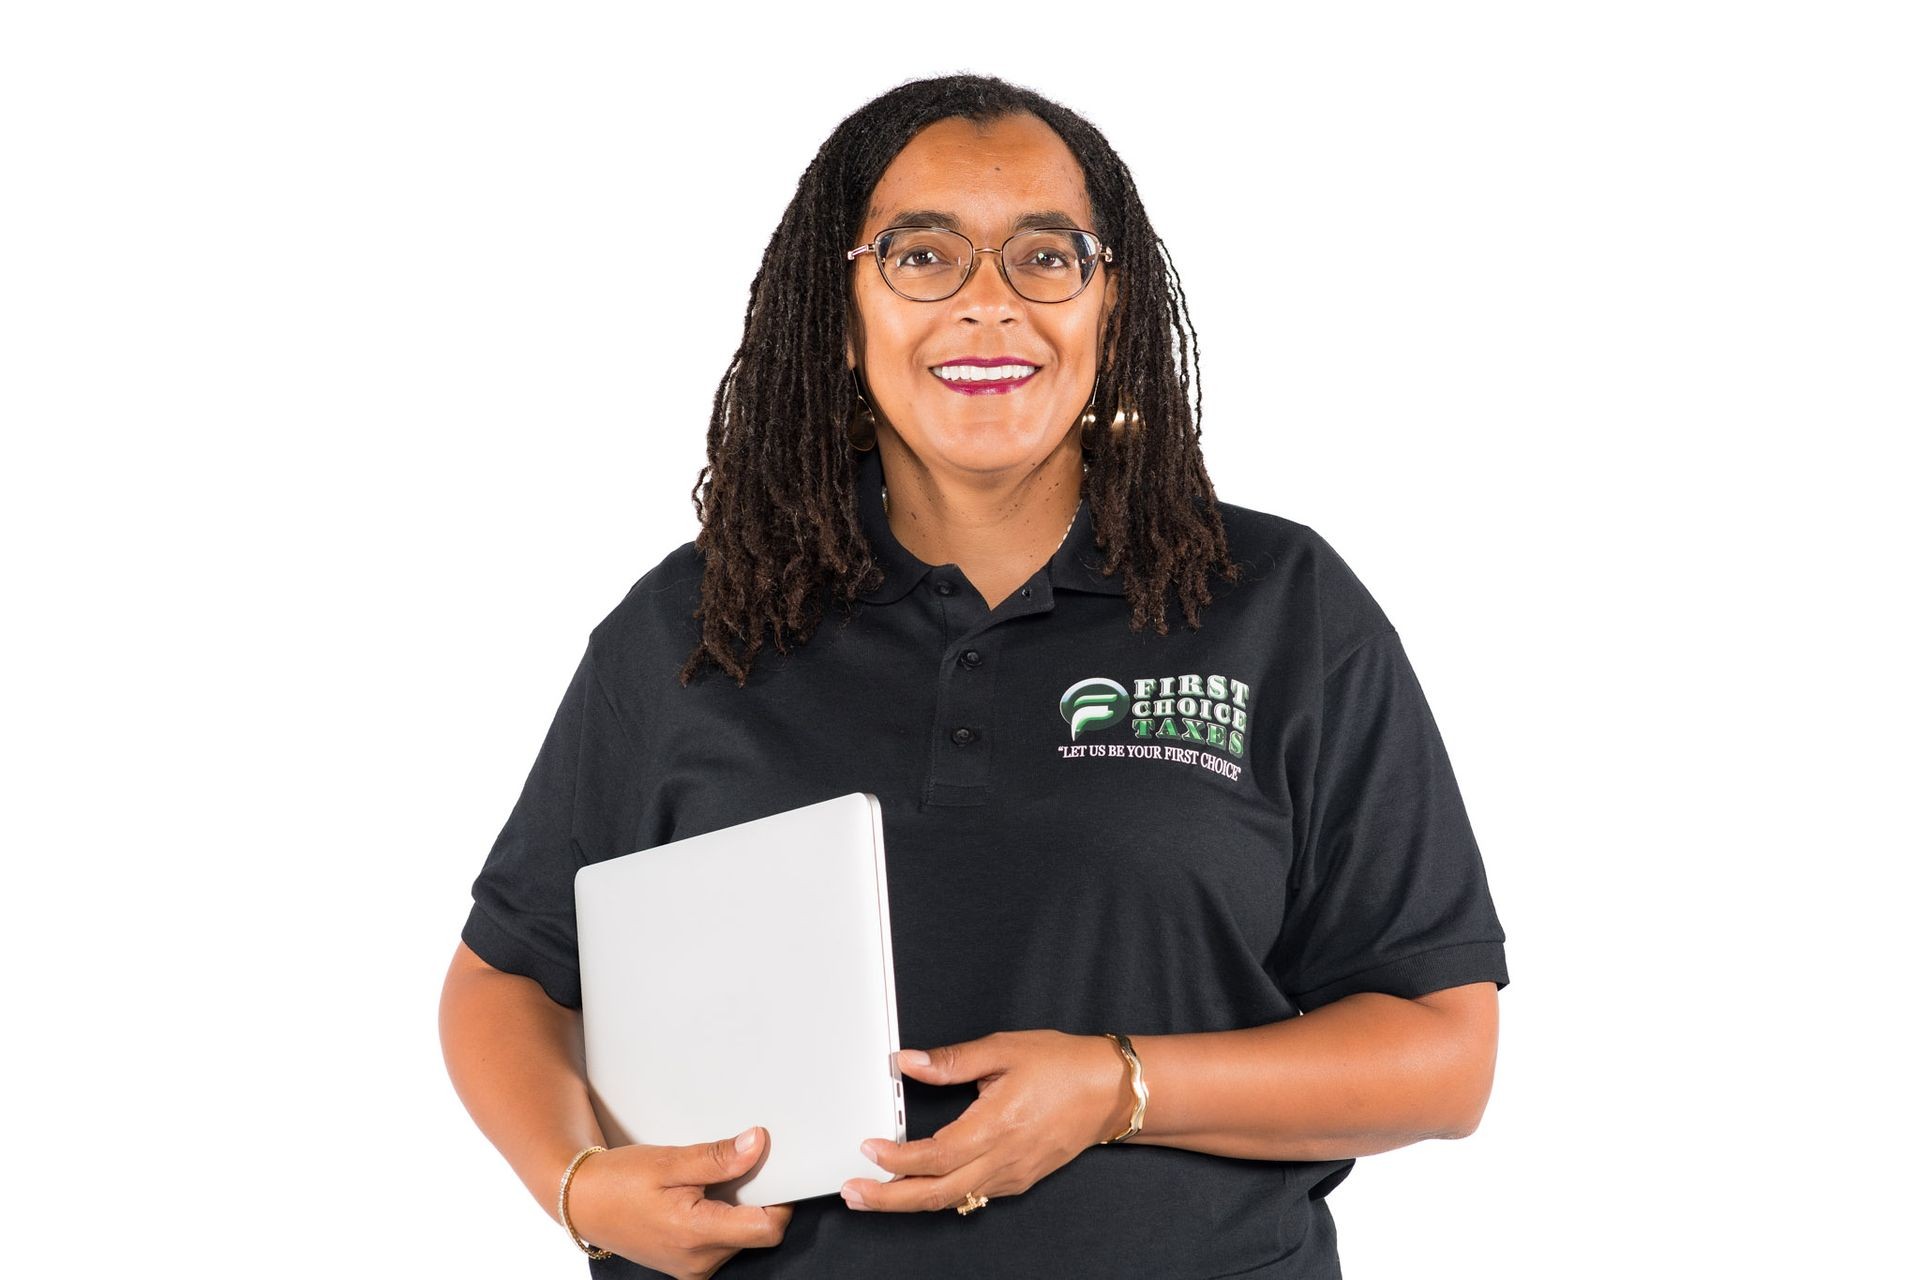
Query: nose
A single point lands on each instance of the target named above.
(997, 294)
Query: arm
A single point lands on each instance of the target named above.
(1362, 1075)
(518, 1062)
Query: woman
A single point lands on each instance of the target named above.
(1096, 823)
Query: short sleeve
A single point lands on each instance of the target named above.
(1389, 893)
(576, 807)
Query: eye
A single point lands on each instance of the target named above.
(1047, 253)
(923, 251)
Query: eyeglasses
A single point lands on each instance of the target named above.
(931, 264)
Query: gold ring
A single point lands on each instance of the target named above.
(972, 1202)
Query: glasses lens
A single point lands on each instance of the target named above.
(1050, 266)
(924, 262)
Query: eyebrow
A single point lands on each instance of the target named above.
(951, 221)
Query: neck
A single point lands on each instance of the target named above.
(999, 528)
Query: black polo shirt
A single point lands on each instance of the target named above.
(1087, 829)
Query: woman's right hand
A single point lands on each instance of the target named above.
(646, 1203)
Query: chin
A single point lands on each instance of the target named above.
(987, 448)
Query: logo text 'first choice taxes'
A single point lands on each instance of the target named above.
(1189, 708)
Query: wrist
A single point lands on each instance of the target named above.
(1114, 1088)
(580, 1198)
(1136, 1086)
(549, 1170)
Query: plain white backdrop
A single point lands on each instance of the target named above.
(355, 358)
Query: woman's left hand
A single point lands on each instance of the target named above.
(1044, 1097)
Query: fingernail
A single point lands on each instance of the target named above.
(870, 1151)
(852, 1197)
(744, 1141)
(915, 1058)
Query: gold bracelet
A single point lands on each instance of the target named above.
(566, 1219)
(1139, 1088)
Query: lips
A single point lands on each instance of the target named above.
(984, 386)
(1000, 388)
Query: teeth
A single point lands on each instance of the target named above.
(983, 373)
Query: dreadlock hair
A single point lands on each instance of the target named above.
(777, 499)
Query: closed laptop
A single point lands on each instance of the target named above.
(745, 977)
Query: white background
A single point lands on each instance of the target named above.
(357, 357)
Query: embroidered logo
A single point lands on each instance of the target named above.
(1094, 703)
(1171, 718)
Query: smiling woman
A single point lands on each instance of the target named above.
(1184, 919)
(965, 450)
(876, 268)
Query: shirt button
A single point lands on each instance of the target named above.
(963, 735)
(970, 658)
(1026, 593)
(941, 587)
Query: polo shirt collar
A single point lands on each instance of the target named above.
(1075, 566)
(902, 568)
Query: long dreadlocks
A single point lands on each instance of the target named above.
(777, 501)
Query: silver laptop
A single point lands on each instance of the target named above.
(745, 977)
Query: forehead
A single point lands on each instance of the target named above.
(989, 177)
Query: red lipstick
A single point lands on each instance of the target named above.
(996, 387)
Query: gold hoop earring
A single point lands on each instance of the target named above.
(863, 430)
(1087, 417)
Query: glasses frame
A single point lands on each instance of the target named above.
(1103, 253)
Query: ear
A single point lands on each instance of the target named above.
(1115, 296)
